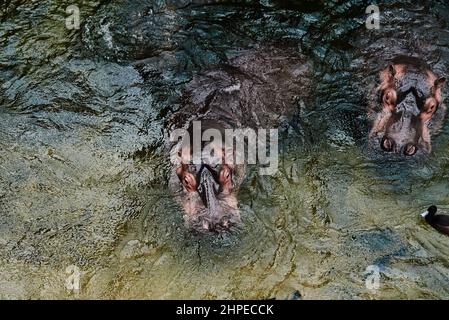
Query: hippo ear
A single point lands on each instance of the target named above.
(391, 70)
(440, 82)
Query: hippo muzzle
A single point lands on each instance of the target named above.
(208, 196)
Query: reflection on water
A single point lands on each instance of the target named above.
(83, 172)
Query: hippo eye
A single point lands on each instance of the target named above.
(387, 144)
(188, 180)
(431, 106)
(225, 179)
(389, 97)
(225, 174)
(410, 150)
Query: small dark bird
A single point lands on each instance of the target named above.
(438, 221)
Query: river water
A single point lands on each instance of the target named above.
(84, 173)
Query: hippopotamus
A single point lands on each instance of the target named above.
(257, 88)
(410, 107)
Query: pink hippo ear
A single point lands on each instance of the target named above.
(387, 75)
(440, 82)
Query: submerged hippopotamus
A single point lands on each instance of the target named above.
(411, 107)
(257, 89)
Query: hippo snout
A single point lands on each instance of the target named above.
(403, 134)
(208, 197)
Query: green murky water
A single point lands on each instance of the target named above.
(83, 172)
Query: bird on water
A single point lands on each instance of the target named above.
(439, 221)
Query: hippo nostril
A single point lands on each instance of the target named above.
(410, 149)
(387, 144)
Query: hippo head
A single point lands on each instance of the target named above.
(207, 189)
(410, 97)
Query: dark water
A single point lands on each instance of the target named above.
(83, 168)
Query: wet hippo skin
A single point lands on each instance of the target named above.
(411, 101)
(259, 88)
